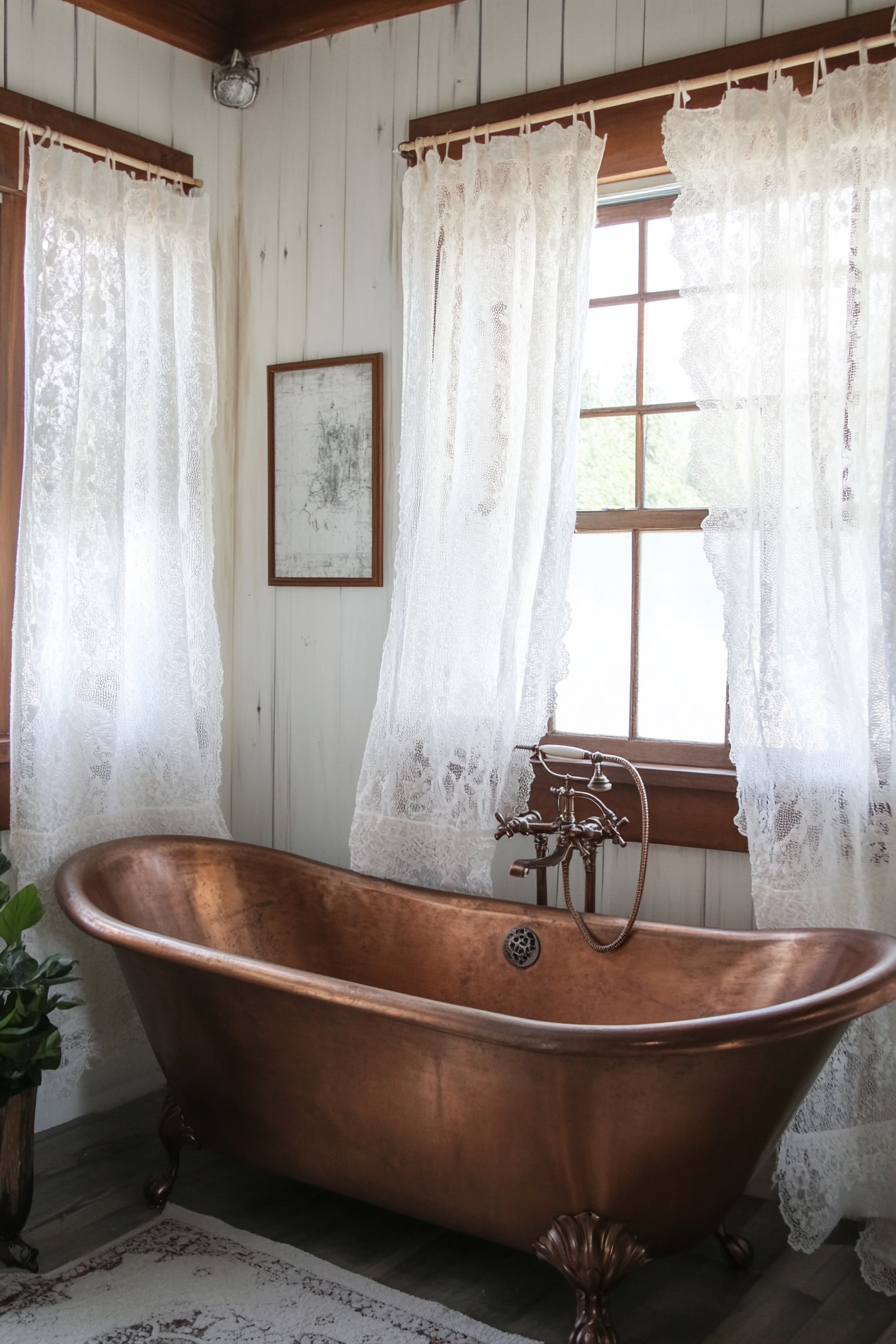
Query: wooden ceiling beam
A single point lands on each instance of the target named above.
(203, 27)
(264, 25)
(212, 28)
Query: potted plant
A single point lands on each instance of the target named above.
(29, 1044)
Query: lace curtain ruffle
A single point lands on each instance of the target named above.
(495, 272)
(117, 678)
(786, 231)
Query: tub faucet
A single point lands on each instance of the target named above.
(573, 836)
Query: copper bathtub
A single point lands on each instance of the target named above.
(371, 1038)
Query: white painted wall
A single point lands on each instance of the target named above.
(320, 275)
(65, 56)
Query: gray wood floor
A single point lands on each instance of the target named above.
(89, 1175)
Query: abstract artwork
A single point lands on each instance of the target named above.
(325, 471)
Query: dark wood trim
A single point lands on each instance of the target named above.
(212, 28)
(376, 368)
(689, 815)
(658, 408)
(643, 751)
(635, 140)
(12, 381)
(70, 123)
(209, 34)
(12, 343)
(643, 520)
(270, 24)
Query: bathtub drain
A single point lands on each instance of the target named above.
(522, 947)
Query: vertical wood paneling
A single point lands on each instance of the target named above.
(589, 39)
(458, 53)
(677, 27)
(292, 263)
(41, 50)
(309, 631)
(630, 33)
(447, 57)
(213, 134)
(729, 901)
(85, 63)
(780, 16)
(155, 89)
(253, 602)
(743, 21)
(429, 25)
(674, 888)
(544, 44)
(503, 55)
(117, 53)
(369, 204)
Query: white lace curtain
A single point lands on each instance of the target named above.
(495, 274)
(786, 230)
(116, 685)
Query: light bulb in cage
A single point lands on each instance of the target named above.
(235, 83)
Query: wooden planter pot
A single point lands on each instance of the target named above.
(17, 1178)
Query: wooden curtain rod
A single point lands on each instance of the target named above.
(72, 141)
(414, 147)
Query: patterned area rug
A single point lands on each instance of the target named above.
(187, 1279)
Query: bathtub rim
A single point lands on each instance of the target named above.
(823, 1010)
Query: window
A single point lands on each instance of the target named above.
(647, 655)
(691, 803)
(12, 340)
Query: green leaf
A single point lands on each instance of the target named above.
(17, 967)
(21, 913)
(5, 864)
(56, 970)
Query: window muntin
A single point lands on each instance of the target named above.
(647, 657)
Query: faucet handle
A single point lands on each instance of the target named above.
(504, 825)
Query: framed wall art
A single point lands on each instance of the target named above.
(325, 472)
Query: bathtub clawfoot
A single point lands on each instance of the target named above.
(737, 1250)
(593, 1254)
(175, 1134)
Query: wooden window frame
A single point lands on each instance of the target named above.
(693, 803)
(692, 784)
(12, 341)
(641, 518)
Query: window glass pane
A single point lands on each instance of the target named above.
(663, 271)
(611, 351)
(594, 698)
(614, 261)
(682, 665)
(606, 470)
(664, 378)
(667, 451)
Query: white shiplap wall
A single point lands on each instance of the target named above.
(320, 275)
(65, 56)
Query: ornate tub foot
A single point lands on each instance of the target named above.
(17, 1254)
(736, 1250)
(593, 1254)
(175, 1134)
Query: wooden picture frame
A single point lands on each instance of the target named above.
(325, 472)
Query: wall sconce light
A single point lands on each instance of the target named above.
(235, 84)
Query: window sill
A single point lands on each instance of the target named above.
(691, 806)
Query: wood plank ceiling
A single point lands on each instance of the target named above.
(212, 28)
